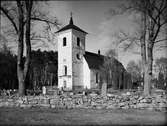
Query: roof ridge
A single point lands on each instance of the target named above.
(71, 26)
(95, 54)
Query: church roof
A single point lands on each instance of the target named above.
(94, 60)
(71, 26)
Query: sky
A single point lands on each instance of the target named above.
(95, 18)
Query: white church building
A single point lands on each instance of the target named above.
(77, 68)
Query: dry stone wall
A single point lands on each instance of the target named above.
(70, 101)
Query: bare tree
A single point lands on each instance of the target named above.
(161, 65)
(113, 72)
(135, 70)
(153, 20)
(19, 13)
(107, 68)
(154, 17)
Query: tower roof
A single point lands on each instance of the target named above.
(71, 26)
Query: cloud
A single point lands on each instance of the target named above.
(107, 37)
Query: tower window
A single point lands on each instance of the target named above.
(78, 56)
(78, 41)
(97, 78)
(64, 41)
(65, 70)
(64, 84)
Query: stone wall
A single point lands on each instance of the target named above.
(70, 101)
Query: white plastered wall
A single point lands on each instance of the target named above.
(65, 58)
(86, 74)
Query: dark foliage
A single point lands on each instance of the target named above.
(8, 74)
(41, 63)
(161, 82)
(43, 69)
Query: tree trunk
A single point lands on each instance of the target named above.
(146, 55)
(27, 35)
(148, 68)
(21, 83)
(20, 73)
(22, 68)
(149, 62)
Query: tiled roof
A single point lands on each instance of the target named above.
(94, 60)
(71, 26)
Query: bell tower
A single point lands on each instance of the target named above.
(71, 48)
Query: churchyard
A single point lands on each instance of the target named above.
(86, 108)
(103, 67)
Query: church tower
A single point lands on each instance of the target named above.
(71, 48)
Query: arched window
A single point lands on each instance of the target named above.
(65, 70)
(78, 56)
(97, 79)
(64, 41)
(78, 41)
(64, 84)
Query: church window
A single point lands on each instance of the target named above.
(64, 41)
(65, 70)
(64, 84)
(78, 56)
(78, 41)
(97, 78)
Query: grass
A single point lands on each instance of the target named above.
(41, 116)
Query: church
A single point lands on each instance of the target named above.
(77, 68)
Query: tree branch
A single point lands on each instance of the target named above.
(44, 20)
(10, 18)
(160, 40)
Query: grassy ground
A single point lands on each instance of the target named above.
(38, 116)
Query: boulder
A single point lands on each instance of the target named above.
(44, 101)
(25, 105)
(125, 107)
(149, 100)
(45, 105)
(143, 101)
(111, 107)
(2, 104)
(53, 101)
(53, 106)
(33, 101)
(121, 104)
(140, 98)
(10, 100)
(19, 101)
(133, 106)
(141, 105)
(11, 104)
(162, 105)
(134, 101)
(100, 107)
(128, 93)
(94, 103)
(93, 95)
(110, 95)
(25, 100)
